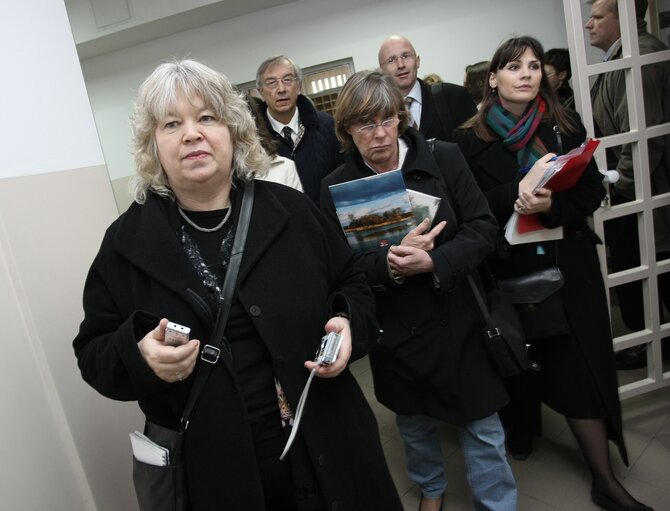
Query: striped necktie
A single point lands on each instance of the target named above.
(412, 123)
(287, 134)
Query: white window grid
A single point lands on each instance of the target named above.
(644, 204)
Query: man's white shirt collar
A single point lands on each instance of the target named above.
(294, 124)
(415, 92)
(611, 49)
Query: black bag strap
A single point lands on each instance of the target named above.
(491, 329)
(211, 352)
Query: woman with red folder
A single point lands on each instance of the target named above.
(521, 126)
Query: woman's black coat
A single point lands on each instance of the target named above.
(496, 171)
(295, 273)
(431, 358)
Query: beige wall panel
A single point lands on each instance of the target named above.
(121, 193)
(39, 469)
(53, 224)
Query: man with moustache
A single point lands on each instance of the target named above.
(436, 110)
(304, 134)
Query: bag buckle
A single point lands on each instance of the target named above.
(210, 354)
(493, 333)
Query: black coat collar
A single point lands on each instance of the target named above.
(429, 115)
(148, 236)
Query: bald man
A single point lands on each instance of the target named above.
(436, 110)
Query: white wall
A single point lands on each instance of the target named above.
(447, 34)
(64, 447)
(40, 82)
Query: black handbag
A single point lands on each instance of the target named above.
(504, 336)
(538, 301)
(165, 488)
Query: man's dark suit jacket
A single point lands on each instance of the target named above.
(441, 115)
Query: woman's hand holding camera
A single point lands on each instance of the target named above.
(169, 363)
(341, 326)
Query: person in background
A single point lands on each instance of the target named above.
(475, 80)
(196, 151)
(282, 170)
(610, 115)
(432, 79)
(430, 363)
(435, 110)
(522, 125)
(558, 72)
(303, 134)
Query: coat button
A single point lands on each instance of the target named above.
(334, 505)
(255, 310)
(321, 460)
(412, 330)
(444, 322)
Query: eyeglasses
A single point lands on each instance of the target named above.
(403, 57)
(274, 83)
(387, 124)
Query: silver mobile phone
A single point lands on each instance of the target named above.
(176, 335)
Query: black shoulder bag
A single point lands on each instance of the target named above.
(503, 336)
(164, 488)
(536, 295)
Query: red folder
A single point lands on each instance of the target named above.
(568, 169)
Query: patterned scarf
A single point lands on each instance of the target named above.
(518, 134)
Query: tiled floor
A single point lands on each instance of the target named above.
(554, 477)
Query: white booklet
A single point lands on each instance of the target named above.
(148, 451)
(514, 237)
(424, 205)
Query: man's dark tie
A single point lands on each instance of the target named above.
(286, 132)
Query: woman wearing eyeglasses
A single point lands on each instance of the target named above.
(429, 364)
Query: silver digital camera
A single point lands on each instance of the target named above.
(329, 349)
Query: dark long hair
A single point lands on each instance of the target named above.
(510, 50)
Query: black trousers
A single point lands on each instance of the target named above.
(621, 235)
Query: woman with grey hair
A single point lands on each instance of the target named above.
(197, 152)
(430, 364)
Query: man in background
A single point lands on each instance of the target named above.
(610, 113)
(558, 72)
(436, 110)
(304, 134)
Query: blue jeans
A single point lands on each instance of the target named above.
(483, 444)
